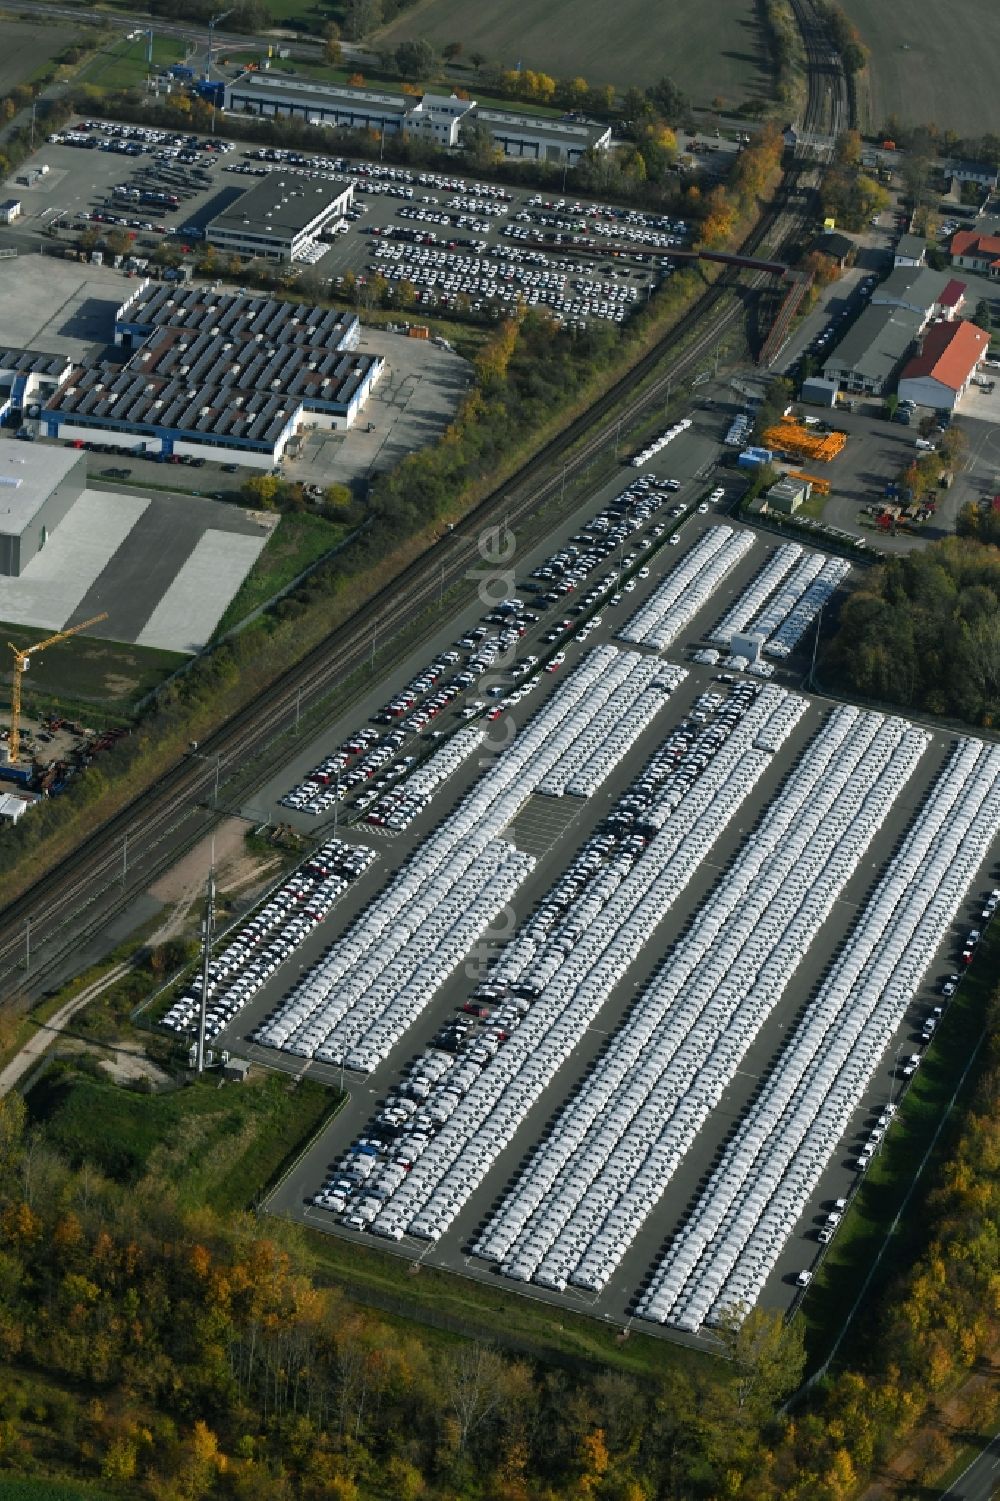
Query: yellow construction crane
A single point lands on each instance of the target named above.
(22, 661)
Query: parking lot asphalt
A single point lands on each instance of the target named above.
(553, 836)
(400, 226)
(877, 452)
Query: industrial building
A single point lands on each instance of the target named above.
(38, 487)
(787, 494)
(279, 218)
(436, 118)
(941, 371)
(216, 375)
(27, 378)
(12, 808)
(819, 392)
(871, 353)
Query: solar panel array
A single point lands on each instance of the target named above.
(229, 366)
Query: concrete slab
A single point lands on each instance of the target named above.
(63, 573)
(411, 405)
(192, 607)
(147, 563)
(59, 307)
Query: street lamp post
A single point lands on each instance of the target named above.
(213, 23)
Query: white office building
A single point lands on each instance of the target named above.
(436, 118)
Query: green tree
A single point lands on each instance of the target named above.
(416, 59)
(671, 101)
(361, 18)
(262, 490)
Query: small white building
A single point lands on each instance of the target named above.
(12, 808)
(910, 251)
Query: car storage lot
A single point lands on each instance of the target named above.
(552, 830)
(451, 238)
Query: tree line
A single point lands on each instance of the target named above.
(175, 1354)
(922, 631)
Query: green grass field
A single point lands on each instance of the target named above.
(27, 49)
(296, 542)
(930, 64)
(123, 65)
(86, 670)
(708, 49)
(218, 1146)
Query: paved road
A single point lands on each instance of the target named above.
(980, 1481)
(187, 31)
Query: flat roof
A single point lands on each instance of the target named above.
(29, 472)
(536, 127)
(278, 205)
(32, 362)
(313, 95)
(228, 366)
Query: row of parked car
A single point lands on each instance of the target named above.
(800, 1116)
(269, 938)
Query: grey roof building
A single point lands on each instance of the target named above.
(965, 171)
(915, 287)
(38, 487)
(542, 140)
(872, 351)
(217, 375)
(279, 217)
(910, 251)
(437, 118)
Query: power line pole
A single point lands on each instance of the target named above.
(208, 923)
(812, 665)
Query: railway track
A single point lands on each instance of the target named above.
(45, 929)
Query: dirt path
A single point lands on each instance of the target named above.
(180, 888)
(24, 1061)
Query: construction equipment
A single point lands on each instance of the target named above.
(800, 441)
(22, 661)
